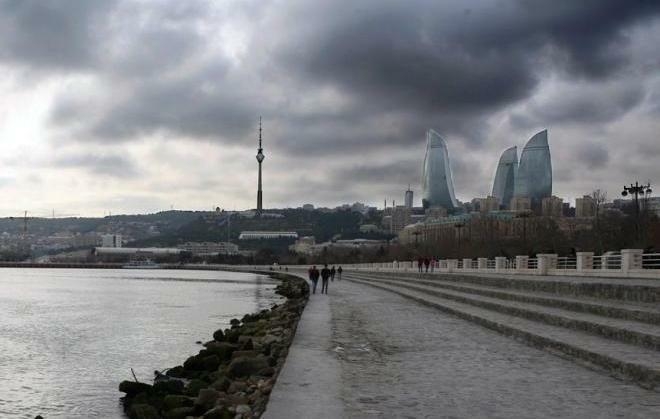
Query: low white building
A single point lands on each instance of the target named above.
(258, 235)
(210, 248)
(111, 240)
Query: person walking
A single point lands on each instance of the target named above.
(325, 275)
(427, 262)
(339, 271)
(314, 277)
(420, 262)
(333, 271)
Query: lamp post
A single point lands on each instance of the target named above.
(635, 191)
(459, 226)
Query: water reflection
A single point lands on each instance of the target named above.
(68, 337)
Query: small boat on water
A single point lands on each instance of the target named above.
(141, 264)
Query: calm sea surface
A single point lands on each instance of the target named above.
(69, 336)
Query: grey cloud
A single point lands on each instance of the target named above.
(394, 69)
(579, 103)
(101, 164)
(593, 155)
(50, 34)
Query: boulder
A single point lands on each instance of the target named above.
(194, 386)
(244, 366)
(206, 399)
(211, 362)
(219, 412)
(244, 354)
(222, 349)
(219, 335)
(143, 411)
(172, 401)
(221, 384)
(131, 388)
(172, 386)
(236, 386)
(179, 413)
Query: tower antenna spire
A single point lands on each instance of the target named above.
(260, 159)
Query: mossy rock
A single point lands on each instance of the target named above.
(172, 401)
(143, 411)
(193, 387)
(179, 413)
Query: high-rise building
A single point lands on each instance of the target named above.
(400, 218)
(534, 177)
(408, 201)
(551, 206)
(437, 183)
(488, 204)
(505, 176)
(585, 206)
(520, 204)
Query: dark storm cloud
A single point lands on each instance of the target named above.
(341, 79)
(51, 34)
(438, 57)
(428, 63)
(594, 103)
(593, 155)
(400, 172)
(101, 164)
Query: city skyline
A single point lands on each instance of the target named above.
(132, 107)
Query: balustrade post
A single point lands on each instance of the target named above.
(452, 265)
(522, 262)
(584, 261)
(631, 259)
(467, 263)
(482, 263)
(546, 261)
(500, 263)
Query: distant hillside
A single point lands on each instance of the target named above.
(210, 227)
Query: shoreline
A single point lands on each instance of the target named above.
(233, 375)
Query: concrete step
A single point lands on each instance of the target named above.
(626, 331)
(641, 290)
(627, 310)
(622, 360)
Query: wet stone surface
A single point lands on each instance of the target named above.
(401, 359)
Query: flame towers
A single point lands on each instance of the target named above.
(505, 176)
(437, 183)
(534, 177)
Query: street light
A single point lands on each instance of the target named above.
(459, 226)
(636, 190)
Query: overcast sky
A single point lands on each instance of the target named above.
(131, 106)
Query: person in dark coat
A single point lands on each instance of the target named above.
(427, 262)
(420, 262)
(325, 275)
(333, 271)
(314, 277)
(339, 271)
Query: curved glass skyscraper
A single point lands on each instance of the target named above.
(437, 183)
(534, 177)
(505, 176)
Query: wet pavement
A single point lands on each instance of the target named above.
(361, 352)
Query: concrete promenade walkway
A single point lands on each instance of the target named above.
(362, 352)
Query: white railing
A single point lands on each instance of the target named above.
(624, 263)
(651, 261)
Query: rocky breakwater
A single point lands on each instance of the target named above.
(233, 375)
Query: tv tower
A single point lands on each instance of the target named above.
(260, 159)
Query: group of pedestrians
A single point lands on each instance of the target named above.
(326, 276)
(423, 264)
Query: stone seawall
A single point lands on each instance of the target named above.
(235, 373)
